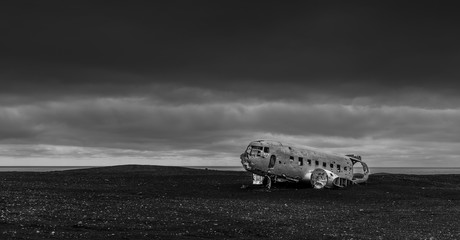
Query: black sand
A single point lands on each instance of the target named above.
(150, 202)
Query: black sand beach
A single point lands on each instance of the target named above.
(152, 202)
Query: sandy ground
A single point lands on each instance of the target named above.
(151, 202)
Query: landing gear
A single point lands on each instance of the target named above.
(268, 182)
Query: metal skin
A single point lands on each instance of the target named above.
(278, 162)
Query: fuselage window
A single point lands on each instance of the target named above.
(324, 164)
(331, 165)
(300, 161)
(345, 168)
(309, 162)
(266, 149)
(316, 163)
(291, 159)
(338, 167)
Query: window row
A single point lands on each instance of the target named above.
(317, 163)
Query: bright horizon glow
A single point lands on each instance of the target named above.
(90, 156)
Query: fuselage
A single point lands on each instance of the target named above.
(283, 161)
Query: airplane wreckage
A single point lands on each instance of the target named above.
(272, 161)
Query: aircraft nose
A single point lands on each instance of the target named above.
(245, 161)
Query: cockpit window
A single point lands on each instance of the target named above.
(266, 149)
(257, 147)
(254, 150)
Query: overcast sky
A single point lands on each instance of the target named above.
(193, 82)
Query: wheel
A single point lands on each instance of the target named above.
(319, 178)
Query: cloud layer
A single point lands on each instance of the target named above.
(143, 124)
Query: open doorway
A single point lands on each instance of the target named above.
(271, 164)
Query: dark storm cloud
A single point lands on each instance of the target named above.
(14, 125)
(64, 84)
(357, 48)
